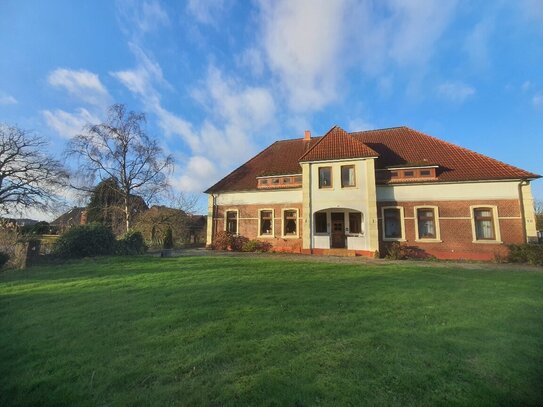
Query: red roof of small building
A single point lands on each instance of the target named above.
(399, 146)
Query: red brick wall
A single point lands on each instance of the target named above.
(248, 225)
(456, 231)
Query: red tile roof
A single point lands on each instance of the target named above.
(335, 145)
(394, 146)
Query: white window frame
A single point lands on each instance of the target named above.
(272, 223)
(402, 224)
(341, 176)
(495, 220)
(437, 239)
(226, 218)
(297, 235)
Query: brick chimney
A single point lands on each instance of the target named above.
(307, 135)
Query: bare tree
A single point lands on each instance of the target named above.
(538, 208)
(29, 178)
(120, 149)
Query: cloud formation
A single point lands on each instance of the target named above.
(68, 124)
(456, 92)
(7, 99)
(82, 84)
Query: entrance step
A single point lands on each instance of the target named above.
(339, 252)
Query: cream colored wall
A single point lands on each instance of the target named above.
(448, 192)
(260, 197)
(306, 208)
(210, 220)
(529, 212)
(361, 198)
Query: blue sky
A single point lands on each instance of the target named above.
(220, 80)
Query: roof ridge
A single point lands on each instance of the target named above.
(384, 128)
(471, 151)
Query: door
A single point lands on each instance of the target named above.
(338, 230)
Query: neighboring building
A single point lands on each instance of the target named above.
(361, 191)
(75, 216)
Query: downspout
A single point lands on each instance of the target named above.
(310, 212)
(523, 182)
(214, 217)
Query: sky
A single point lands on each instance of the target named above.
(220, 80)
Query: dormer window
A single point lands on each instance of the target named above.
(408, 173)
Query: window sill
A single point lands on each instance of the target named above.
(265, 236)
(290, 237)
(354, 234)
(487, 241)
(394, 239)
(429, 240)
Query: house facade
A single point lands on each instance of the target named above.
(357, 193)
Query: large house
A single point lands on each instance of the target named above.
(356, 193)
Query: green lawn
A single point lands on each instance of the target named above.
(255, 331)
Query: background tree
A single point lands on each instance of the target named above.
(120, 149)
(29, 178)
(106, 206)
(538, 206)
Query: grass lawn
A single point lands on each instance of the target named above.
(255, 331)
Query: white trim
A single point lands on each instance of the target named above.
(283, 223)
(226, 218)
(436, 239)
(272, 223)
(495, 221)
(407, 168)
(402, 224)
(279, 176)
(338, 161)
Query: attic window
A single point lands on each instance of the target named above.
(425, 173)
(394, 173)
(264, 181)
(286, 180)
(408, 173)
(275, 181)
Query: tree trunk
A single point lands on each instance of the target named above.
(127, 212)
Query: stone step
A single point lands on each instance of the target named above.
(339, 252)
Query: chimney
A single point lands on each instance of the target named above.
(307, 135)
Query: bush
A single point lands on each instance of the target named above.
(238, 242)
(84, 241)
(397, 251)
(526, 253)
(131, 242)
(227, 241)
(256, 246)
(168, 239)
(223, 240)
(4, 257)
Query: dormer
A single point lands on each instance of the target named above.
(407, 173)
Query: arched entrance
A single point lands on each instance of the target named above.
(338, 228)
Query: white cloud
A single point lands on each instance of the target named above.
(199, 173)
(302, 44)
(205, 11)
(477, 43)
(82, 84)
(142, 17)
(537, 100)
(456, 92)
(359, 124)
(68, 124)
(309, 44)
(7, 99)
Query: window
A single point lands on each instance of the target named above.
(266, 223)
(325, 177)
(290, 223)
(484, 224)
(232, 222)
(298, 179)
(263, 181)
(392, 221)
(321, 223)
(426, 223)
(394, 173)
(355, 222)
(425, 173)
(347, 176)
(408, 173)
(286, 180)
(275, 180)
